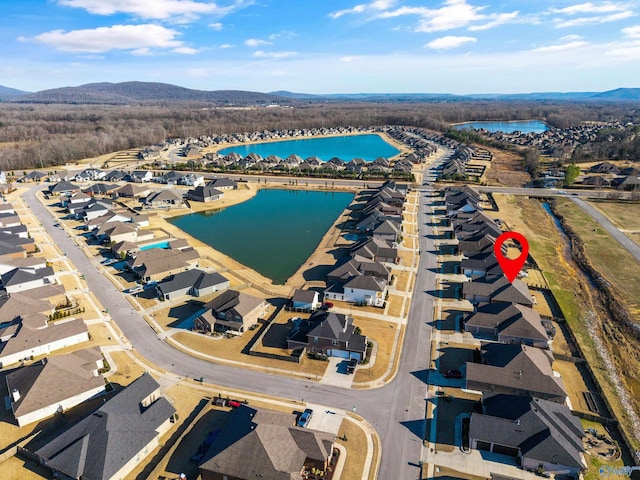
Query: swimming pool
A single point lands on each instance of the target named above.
(164, 244)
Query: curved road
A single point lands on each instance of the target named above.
(396, 410)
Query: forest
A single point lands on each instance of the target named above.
(43, 135)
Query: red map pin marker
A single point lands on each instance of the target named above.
(511, 267)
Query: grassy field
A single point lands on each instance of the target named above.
(624, 215)
(356, 445)
(608, 257)
(384, 334)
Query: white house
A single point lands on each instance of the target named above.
(362, 289)
(305, 299)
(26, 278)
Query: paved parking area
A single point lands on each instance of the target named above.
(325, 420)
(336, 375)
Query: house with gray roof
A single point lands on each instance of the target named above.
(305, 299)
(388, 231)
(332, 334)
(375, 250)
(223, 184)
(265, 444)
(34, 176)
(484, 264)
(231, 310)
(516, 370)
(204, 193)
(63, 187)
(163, 199)
(497, 289)
(162, 262)
(542, 435)
(23, 279)
(114, 439)
(507, 323)
(193, 282)
(55, 384)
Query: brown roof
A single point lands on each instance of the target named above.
(19, 304)
(29, 337)
(167, 261)
(54, 379)
(239, 302)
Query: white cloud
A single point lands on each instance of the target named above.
(261, 54)
(589, 7)
(576, 22)
(226, 45)
(285, 34)
(376, 6)
(448, 42)
(138, 38)
(632, 32)
(570, 38)
(255, 42)
(185, 50)
(216, 26)
(561, 47)
(499, 19)
(170, 10)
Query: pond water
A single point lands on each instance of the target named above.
(524, 126)
(345, 147)
(273, 233)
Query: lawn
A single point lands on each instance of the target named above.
(624, 215)
(383, 333)
(356, 445)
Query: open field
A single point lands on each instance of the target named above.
(625, 216)
(506, 169)
(574, 296)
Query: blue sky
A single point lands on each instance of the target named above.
(324, 46)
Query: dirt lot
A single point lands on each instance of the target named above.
(506, 169)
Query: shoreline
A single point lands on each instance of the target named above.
(403, 149)
(317, 257)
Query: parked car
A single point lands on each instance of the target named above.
(351, 366)
(303, 421)
(327, 305)
(453, 374)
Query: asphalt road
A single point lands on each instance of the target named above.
(396, 410)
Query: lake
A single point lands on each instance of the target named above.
(273, 233)
(524, 126)
(345, 147)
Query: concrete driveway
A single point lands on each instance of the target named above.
(325, 420)
(336, 375)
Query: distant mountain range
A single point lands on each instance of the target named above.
(150, 92)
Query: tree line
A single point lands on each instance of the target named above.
(34, 136)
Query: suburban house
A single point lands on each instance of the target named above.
(141, 176)
(170, 178)
(114, 232)
(131, 190)
(231, 310)
(194, 282)
(115, 176)
(63, 187)
(204, 193)
(375, 250)
(361, 290)
(89, 174)
(332, 334)
(259, 443)
(33, 336)
(305, 299)
(516, 370)
(223, 184)
(507, 323)
(543, 435)
(356, 267)
(16, 305)
(163, 199)
(387, 231)
(192, 180)
(55, 384)
(114, 439)
(34, 176)
(101, 189)
(497, 289)
(160, 262)
(480, 265)
(21, 279)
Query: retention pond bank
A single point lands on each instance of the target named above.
(273, 232)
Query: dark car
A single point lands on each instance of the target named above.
(453, 374)
(351, 366)
(303, 421)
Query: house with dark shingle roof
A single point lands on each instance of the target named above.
(114, 439)
(541, 434)
(257, 443)
(23, 279)
(194, 282)
(507, 323)
(163, 199)
(305, 299)
(332, 334)
(223, 184)
(63, 187)
(497, 289)
(516, 370)
(231, 310)
(204, 193)
(55, 384)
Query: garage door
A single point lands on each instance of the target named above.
(338, 353)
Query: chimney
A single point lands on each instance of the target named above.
(15, 395)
